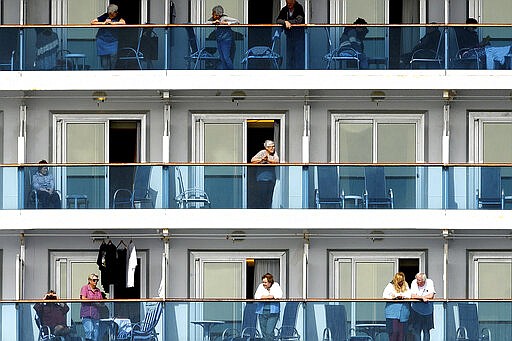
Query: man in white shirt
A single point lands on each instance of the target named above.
(422, 313)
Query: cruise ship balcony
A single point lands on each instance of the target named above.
(216, 319)
(382, 196)
(186, 57)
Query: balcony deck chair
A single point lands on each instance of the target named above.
(336, 323)
(470, 58)
(328, 191)
(337, 326)
(144, 330)
(32, 198)
(264, 52)
(9, 37)
(198, 54)
(249, 331)
(127, 54)
(287, 331)
(45, 332)
(429, 57)
(7, 62)
(139, 194)
(375, 193)
(491, 194)
(190, 197)
(469, 327)
(340, 53)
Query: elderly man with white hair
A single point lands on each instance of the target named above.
(422, 313)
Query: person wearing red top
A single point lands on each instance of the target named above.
(90, 312)
(53, 314)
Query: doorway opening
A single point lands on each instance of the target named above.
(257, 132)
(261, 12)
(130, 11)
(124, 137)
(395, 33)
(255, 269)
(410, 267)
(124, 147)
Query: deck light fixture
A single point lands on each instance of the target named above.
(377, 96)
(99, 96)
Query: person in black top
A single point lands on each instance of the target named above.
(293, 14)
(427, 44)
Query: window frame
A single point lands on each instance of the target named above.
(476, 120)
(377, 117)
(198, 258)
(362, 256)
(474, 259)
(59, 120)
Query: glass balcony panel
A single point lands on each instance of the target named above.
(210, 319)
(239, 186)
(150, 47)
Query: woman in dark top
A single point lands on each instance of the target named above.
(107, 39)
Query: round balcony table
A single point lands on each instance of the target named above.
(207, 325)
(371, 329)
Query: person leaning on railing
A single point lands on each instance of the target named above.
(397, 313)
(107, 39)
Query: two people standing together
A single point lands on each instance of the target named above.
(291, 14)
(420, 314)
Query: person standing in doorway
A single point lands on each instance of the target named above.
(268, 313)
(265, 175)
(293, 14)
(90, 311)
(107, 39)
(224, 35)
(422, 312)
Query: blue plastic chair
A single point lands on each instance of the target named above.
(328, 191)
(130, 53)
(144, 330)
(264, 52)
(336, 322)
(491, 194)
(288, 331)
(198, 54)
(340, 54)
(249, 331)
(469, 327)
(140, 193)
(375, 194)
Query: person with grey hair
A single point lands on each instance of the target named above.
(265, 175)
(422, 312)
(90, 311)
(107, 39)
(224, 35)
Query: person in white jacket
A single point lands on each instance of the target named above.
(397, 312)
(268, 313)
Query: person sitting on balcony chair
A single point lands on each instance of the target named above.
(467, 39)
(53, 315)
(353, 37)
(47, 46)
(43, 183)
(427, 43)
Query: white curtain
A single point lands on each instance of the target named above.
(262, 266)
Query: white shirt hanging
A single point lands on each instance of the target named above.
(131, 264)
